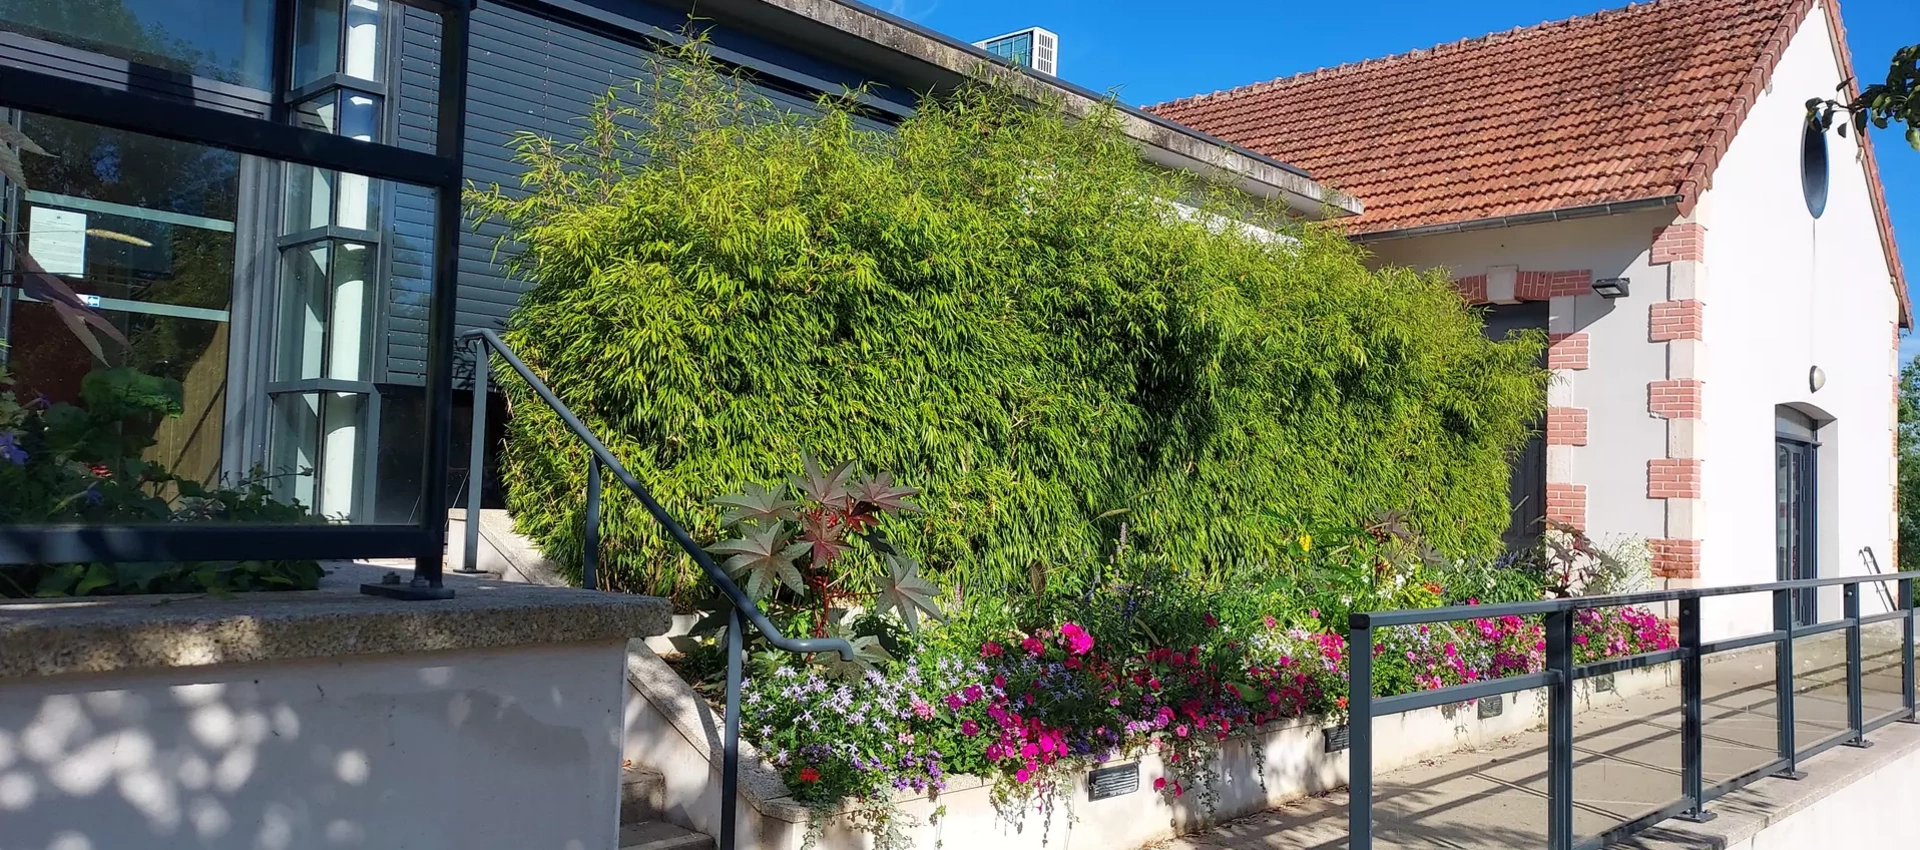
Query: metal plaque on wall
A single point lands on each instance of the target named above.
(1115, 781)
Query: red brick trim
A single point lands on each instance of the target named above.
(1678, 242)
(1473, 289)
(1567, 351)
(1533, 286)
(1673, 478)
(1566, 426)
(1670, 320)
(1570, 284)
(1674, 399)
(1675, 558)
(1530, 286)
(1567, 504)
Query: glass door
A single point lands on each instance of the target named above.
(1795, 499)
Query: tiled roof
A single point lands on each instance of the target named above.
(1627, 105)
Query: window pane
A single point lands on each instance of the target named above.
(226, 40)
(295, 448)
(302, 332)
(316, 40)
(350, 331)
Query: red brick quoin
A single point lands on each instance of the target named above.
(1673, 478)
(1678, 242)
(1567, 504)
(1670, 320)
(1674, 399)
(1566, 426)
(1567, 351)
(1675, 558)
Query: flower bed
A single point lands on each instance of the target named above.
(1032, 712)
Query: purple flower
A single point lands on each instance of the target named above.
(969, 728)
(10, 449)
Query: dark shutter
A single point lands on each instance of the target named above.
(1527, 481)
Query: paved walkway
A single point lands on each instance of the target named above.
(1628, 760)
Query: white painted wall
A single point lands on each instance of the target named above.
(1784, 294)
(1621, 434)
(501, 748)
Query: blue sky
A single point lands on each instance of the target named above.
(1154, 51)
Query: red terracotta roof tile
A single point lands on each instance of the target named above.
(1626, 105)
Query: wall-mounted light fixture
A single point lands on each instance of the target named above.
(1611, 288)
(1816, 378)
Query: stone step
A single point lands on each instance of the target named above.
(657, 835)
(643, 795)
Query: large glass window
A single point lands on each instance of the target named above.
(248, 288)
(143, 229)
(226, 40)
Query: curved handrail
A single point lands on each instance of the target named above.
(734, 594)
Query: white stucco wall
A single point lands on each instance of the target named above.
(1786, 293)
(503, 748)
(1621, 435)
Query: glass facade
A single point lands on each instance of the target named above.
(237, 281)
(1017, 49)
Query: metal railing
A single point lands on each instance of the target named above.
(1560, 675)
(481, 341)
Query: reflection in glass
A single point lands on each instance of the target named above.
(226, 40)
(146, 227)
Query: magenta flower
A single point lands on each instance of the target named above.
(969, 728)
(1034, 647)
(922, 710)
(1078, 641)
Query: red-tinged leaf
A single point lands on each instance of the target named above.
(73, 311)
(827, 488)
(885, 496)
(765, 558)
(10, 166)
(823, 532)
(757, 506)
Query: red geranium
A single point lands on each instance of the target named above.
(808, 774)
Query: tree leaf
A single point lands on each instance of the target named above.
(1913, 137)
(766, 559)
(885, 496)
(757, 505)
(903, 590)
(827, 488)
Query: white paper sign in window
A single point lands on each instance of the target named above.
(57, 239)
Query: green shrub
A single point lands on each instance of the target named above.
(996, 303)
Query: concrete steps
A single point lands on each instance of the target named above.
(660, 835)
(642, 827)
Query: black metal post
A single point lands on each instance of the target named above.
(1783, 684)
(1559, 627)
(590, 561)
(1856, 706)
(1907, 696)
(730, 752)
(443, 311)
(1359, 733)
(470, 557)
(1692, 719)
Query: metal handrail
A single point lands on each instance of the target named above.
(482, 339)
(1560, 675)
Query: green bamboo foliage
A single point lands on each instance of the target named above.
(996, 303)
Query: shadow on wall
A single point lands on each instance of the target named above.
(368, 753)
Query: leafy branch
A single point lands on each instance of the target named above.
(1881, 103)
(33, 278)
